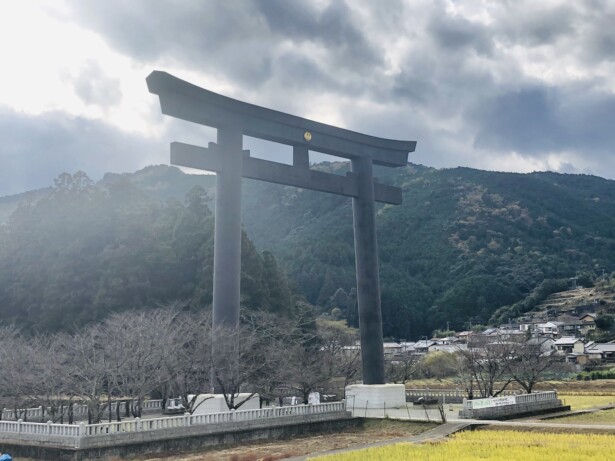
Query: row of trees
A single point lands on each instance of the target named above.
(168, 353)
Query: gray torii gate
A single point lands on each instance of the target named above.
(233, 119)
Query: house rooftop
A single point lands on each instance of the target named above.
(604, 347)
(567, 341)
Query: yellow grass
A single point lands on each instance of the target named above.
(493, 446)
(581, 402)
(598, 417)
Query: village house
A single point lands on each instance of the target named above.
(589, 323)
(546, 344)
(546, 329)
(422, 347)
(605, 351)
(569, 345)
(569, 326)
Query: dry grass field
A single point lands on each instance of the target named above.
(582, 402)
(598, 417)
(493, 446)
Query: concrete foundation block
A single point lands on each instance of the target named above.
(375, 396)
(215, 403)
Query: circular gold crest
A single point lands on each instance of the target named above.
(307, 136)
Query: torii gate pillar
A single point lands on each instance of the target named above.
(368, 279)
(227, 233)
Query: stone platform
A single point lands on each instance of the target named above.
(375, 396)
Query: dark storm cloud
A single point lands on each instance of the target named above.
(36, 149)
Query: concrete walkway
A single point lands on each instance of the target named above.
(517, 425)
(437, 433)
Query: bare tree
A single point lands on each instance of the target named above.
(138, 347)
(17, 379)
(53, 383)
(338, 350)
(305, 371)
(531, 363)
(487, 361)
(403, 368)
(89, 367)
(239, 359)
(189, 369)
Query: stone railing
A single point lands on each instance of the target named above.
(443, 395)
(67, 431)
(509, 400)
(81, 411)
(61, 430)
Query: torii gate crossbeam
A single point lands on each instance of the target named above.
(234, 119)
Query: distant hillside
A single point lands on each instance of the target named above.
(9, 203)
(463, 244)
(83, 251)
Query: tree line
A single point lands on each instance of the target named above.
(487, 367)
(86, 250)
(168, 352)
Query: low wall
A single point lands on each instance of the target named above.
(181, 439)
(442, 395)
(78, 441)
(512, 406)
(80, 412)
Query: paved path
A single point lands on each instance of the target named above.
(437, 433)
(524, 424)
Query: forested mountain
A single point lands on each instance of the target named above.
(463, 243)
(84, 251)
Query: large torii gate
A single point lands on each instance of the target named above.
(233, 119)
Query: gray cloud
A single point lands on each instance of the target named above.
(531, 23)
(94, 87)
(237, 40)
(458, 84)
(36, 149)
(334, 27)
(455, 34)
(543, 120)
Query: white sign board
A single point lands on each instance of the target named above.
(492, 402)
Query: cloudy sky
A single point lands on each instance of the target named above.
(510, 85)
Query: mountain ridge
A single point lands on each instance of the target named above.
(464, 243)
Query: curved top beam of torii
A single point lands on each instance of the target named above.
(184, 100)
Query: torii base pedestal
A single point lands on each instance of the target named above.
(362, 399)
